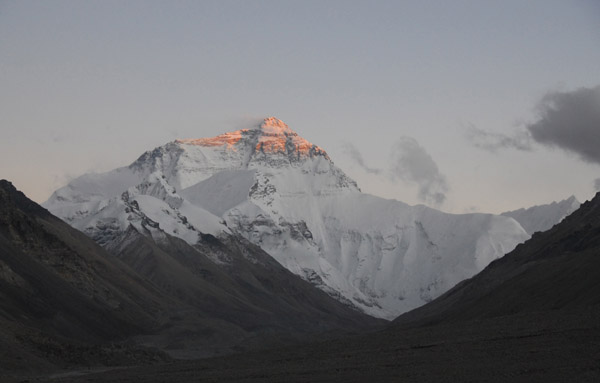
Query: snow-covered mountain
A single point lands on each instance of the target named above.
(543, 217)
(284, 194)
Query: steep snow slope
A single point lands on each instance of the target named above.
(384, 256)
(96, 205)
(543, 217)
(285, 194)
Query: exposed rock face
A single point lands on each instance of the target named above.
(273, 136)
(284, 194)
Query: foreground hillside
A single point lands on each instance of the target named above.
(62, 300)
(533, 315)
(560, 347)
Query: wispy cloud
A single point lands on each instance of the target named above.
(493, 142)
(471, 209)
(411, 162)
(408, 162)
(245, 122)
(354, 154)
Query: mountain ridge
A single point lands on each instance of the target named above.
(293, 202)
(543, 217)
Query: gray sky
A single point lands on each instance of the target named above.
(90, 85)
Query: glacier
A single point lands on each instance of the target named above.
(284, 194)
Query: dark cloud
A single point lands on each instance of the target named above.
(493, 141)
(597, 184)
(570, 121)
(410, 162)
(353, 152)
(566, 120)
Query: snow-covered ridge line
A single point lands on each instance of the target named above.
(543, 217)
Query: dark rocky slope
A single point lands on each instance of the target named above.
(59, 290)
(243, 298)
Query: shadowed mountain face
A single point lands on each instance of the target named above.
(533, 315)
(59, 288)
(245, 298)
(54, 277)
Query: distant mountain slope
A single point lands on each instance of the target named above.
(558, 269)
(284, 194)
(543, 217)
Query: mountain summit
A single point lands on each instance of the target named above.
(280, 192)
(272, 144)
(271, 137)
(274, 135)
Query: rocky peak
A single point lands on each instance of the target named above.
(11, 198)
(272, 136)
(572, 201)
(274, 126)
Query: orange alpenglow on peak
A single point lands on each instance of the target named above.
(272, 125)
(225, 139)
(274, 136)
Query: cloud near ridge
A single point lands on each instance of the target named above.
(352, 151)
(411, 162)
